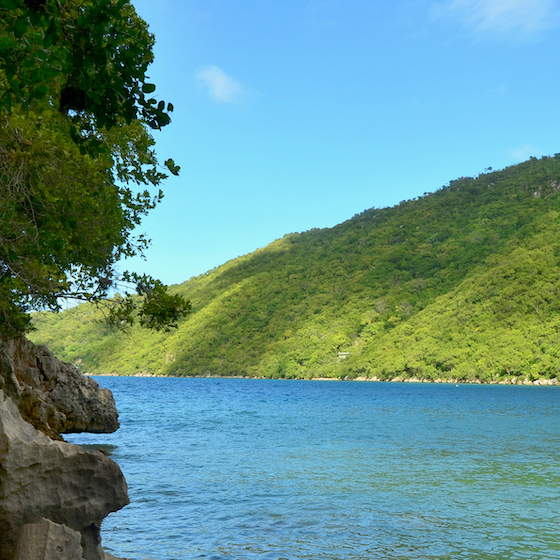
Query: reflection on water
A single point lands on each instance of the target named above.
(260, 469)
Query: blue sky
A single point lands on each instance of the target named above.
(291, 115)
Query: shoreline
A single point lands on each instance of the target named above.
(509, 381)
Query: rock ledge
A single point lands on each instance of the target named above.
(52, 395)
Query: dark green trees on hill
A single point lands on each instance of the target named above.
(459, 284)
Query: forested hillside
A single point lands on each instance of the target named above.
(459, 284)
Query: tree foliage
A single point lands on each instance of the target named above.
(78, 169)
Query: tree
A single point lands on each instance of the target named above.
(77, 159)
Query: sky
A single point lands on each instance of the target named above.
(297, 114)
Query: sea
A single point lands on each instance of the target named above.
(250, 469)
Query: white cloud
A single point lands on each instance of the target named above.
(521, 18)
(523, 152)
(221, 87)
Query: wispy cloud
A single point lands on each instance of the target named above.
(523, 152)
(522, 19)
(322, 13)
(221, 87)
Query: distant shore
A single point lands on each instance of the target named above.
(508, 381)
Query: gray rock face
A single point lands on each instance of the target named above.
(43, 478)
(46, 540)
(51, 395)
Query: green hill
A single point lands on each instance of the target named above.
(459, 284)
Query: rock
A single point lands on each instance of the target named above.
(40, 477)
(51, 395)
(46, 540)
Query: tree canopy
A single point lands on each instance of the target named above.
(78, 169)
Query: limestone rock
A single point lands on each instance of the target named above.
(52, 395)
(46, 540)
(40, 477)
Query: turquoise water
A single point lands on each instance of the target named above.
(270, 469)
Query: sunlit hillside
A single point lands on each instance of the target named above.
(459, 284)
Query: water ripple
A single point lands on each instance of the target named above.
(255, 469)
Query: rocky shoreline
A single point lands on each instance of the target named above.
(513, 380)
(53, 495)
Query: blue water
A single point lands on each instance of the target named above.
(271, 469)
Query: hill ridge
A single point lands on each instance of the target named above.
(340, 301)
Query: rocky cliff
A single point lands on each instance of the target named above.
(51, 395)
(53, 495)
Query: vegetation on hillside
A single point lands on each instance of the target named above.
(460, 284)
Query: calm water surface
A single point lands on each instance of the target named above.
(262, 469)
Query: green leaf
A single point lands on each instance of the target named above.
(170, 164)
